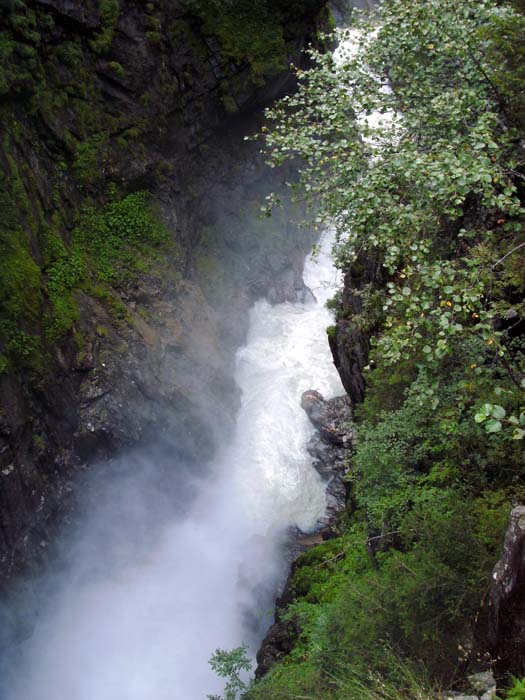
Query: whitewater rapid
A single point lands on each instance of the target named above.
(145, 600)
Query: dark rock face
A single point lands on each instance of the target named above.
(507, 602)
(331, 417)
(85, 14)
(330, 449)
(350, 345)
(278, 643)
(156, 99)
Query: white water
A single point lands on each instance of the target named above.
(142, 608)
(372, 124)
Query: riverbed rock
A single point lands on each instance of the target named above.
(507, 602)
(332, 418)
(278, 643)
(483, 682)
(289, 285)
(330, 448)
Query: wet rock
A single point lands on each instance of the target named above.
(332, 418)
(490, 694)
(507, 602)
(350, 344)
(290, 287)
(278, 642)
(330, 448)
(483, 682)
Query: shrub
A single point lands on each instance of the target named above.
(115, 238)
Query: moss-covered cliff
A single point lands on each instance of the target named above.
(117, 209)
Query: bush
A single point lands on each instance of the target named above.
(517, 691)
(115, 238)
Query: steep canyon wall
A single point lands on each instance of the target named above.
(130, 244)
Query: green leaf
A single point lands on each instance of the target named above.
(493, 426)
(498, 412)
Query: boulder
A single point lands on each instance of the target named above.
(483, 682)
(332, 418)
(507, 602)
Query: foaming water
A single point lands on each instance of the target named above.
(373, 122)
(149, 593)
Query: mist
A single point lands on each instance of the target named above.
(169, 563)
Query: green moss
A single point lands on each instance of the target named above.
(51, 245)
(115, 238)
(63, 277)
(70, 53)
(113, 304)
(101, 331)
(89, 159)
(117, 68)
(20, 65)
(109, 13)
(20, 282)
(248, 32)
(40, 443)
(154, 37)
(24, 350)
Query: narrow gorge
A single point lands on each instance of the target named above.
(151, 470)
(164, 569)
(262, 357)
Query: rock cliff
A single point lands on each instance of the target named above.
(129, 243)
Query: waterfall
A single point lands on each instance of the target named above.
(146, 598)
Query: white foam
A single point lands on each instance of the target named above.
(143, 625)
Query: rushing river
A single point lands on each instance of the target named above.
(145, 600)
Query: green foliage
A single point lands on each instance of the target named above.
(391, 587)
(20, 66)
(494, 416)
(117, 68)
(389, 186)
(20, 285)
(247, 32)
(24, 349)
(90, 157)
(345, 682)
(230, 665)
(517, 691)
(63, 276)
(507, 60)
(109, 14)
(115, 237)
(427, 205)
(108, 245)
